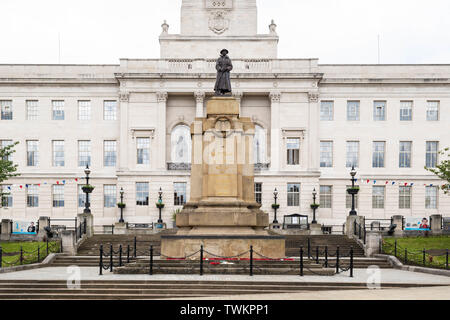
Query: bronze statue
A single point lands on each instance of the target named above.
(223, 67)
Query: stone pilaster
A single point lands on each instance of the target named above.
(161, 97)
(199, 99)
(313, 131)
(238, 96)
(275, 136)
(123, 146)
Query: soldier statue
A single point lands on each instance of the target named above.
(223, 67)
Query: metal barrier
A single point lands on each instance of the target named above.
(359, 231)
(28, 257)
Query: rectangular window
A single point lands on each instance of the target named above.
(81, 197)
(326, 196)
(432, 110)
(326, 110)
(4, 144)
(6, 109)
(7, 198)
(110, 110)
(84, 110)
(109, 196)
(179, 193)
(258, 192)
(406, 110)
(33, 196)
(378, 197)
(405, 154)
(142, 193)
(84, 153)
(58, 196)
(348, 199)
(32, 153)
(293, 151)
(379, 111)
(293, 194)
(58, 153)
(110, 154)
(352, 154)
(32, 110)
(143, 150)
(326, 154)
(378, 154)
(404, 197)
(432, 154)
(431, 196)
(58, 109)
(353, 110)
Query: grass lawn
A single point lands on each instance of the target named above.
(435, 250)
(11, 252)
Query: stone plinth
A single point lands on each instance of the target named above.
(89, 223)
(315, 229)
(6, 229)
(222, 214)
(436, 223)
(350, 224)
(69, 242)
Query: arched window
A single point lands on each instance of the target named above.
(181, 144)
(259, 145)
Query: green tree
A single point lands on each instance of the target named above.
(7, 168)
(442, 170)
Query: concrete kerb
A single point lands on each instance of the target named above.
(45, 263)
(398, 265)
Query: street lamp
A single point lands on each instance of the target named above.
(87, 189)
(275, 206)
(353, 191)
(121, 206)
(160, 205)
(314, 206)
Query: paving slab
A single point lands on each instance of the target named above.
(385, 276)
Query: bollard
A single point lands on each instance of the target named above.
(317, 255)
(395, 248)
(128, 253)
(201, 260)
(21, 255)
(39, 256)
(111, 262)
(446, 260)
(101, 259)
(301, 261)
(251, 261)
(1, 257)
(135, 249)
(406, 256)
(423, 257)
(151, 261)
(326, 256)
(337, 260)
(47, 246)
(351, 262)
(309, 248)
(120, 255)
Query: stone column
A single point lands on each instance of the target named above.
(199, 98)
(6, 229)
(313, 131)
(161, 97)
(350, 224)
(69, 242)
(436, 223)
(123, 146)
(275, 134)
(373, 240)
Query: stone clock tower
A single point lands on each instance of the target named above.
(207, 26)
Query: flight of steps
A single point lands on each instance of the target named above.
(149, 289)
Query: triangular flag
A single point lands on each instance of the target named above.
(374, 181)
(368, 180)
(57, 182)
(387, 182)
(76, 179)
(20, 187)
(64, 181)
(393, 182)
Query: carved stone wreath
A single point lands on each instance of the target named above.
(218, 22)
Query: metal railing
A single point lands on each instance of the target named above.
(23, 257)
(334, 229)
(359, 231)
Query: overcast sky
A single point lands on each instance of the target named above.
(335, 31)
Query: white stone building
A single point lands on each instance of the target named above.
(130, 122)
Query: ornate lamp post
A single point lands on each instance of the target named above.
(314, 206)
(275, 206)
(353, 191)
(87, 189)
(121, 206)
(160, 205)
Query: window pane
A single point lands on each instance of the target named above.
(181, 144)
(352, 154)
(326, 196)
(404, 197)
(32, 110)
(293, 196)
(378, 197)
(406, 110)
(84, 110)
(58, 110)
(353, 110)
(431, 195)
(84, 153)
(326, 154)
(110, 196)
(6, 109)
(58, 153)
(110, 153)
(378, 154)
(326, 110)
(293, 151)
(142, 193)
(432, 154)
(7, 198)
(81, 197)
(379, 110)
(110, 110)
(405, 154)
(32, 153)
(58, 196)
(143, 150)
(258, 192)
(4, 144)
(32, 196)
(179, 193)
(433, 110)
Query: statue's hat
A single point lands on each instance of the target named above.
(224, 50)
